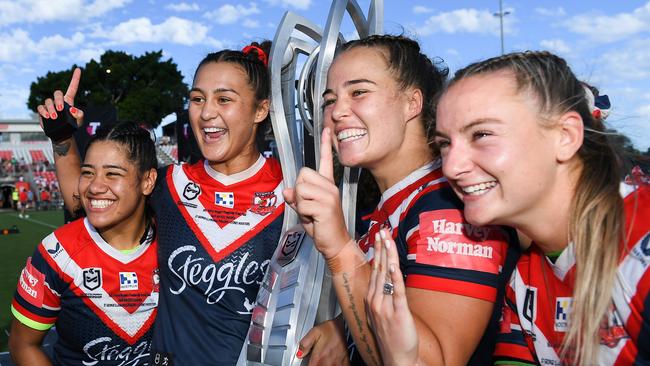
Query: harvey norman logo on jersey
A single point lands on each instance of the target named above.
(447, 240)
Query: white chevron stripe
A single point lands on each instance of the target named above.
(129, 323)
(219, 238)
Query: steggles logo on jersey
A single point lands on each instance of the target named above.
(128, 281)
(224, 199)
(103, 350)
(264, 203)
(562, 312)
(191, 191)
(213, 280)
(92, 278)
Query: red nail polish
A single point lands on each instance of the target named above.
(59, 107)
(47, 115)
(73, 110)
(299, 353)
(54, 115)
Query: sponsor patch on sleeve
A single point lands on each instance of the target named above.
(447, 240)
(31, 285)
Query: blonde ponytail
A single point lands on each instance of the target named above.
(596, 226)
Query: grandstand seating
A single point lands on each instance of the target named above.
(48, 176)
(171, 151)
(29, 152)
(6, 154)
(37, 156)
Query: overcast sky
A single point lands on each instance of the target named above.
(606, 42)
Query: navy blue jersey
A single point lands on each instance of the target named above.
(216, 236)
(439, 250)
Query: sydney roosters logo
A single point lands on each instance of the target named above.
(264, 203)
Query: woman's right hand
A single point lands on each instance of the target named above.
(316, 199)
(325, 344)
(49, 110)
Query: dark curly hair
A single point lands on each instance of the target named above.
(253, 63)
(139, 147)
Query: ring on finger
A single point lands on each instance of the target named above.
(388, 288)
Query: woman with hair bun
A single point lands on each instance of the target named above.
(219, 219)
(379, 115)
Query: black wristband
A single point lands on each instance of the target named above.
(61, 128)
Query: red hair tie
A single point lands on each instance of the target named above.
(261, 55)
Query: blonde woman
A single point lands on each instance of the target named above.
(523, 145)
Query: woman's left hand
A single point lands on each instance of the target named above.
(389, 313)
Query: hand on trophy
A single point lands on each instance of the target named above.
(388, 311)
(55, 113)
(315, 197)
(325, 344)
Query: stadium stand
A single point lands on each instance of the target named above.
(6, 154)
(37, 156)
(170, 154)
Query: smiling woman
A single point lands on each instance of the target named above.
(523, 145)
(96, 278)
(218, 220)
(379, 115)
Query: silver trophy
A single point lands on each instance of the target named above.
(295, 295)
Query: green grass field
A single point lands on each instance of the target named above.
(14, 250)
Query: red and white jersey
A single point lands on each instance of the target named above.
(438, 249)
(539, 299)
(103, 301)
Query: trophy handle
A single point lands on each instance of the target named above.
(295, 293)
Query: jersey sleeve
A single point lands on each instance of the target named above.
(511, 345)
(36, 302)
(447, 254)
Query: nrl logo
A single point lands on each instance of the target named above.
(191, 191)
(290, 247)
(92, 278)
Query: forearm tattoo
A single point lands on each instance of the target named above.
(363, 335)
(61, 148)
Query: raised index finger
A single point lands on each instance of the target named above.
(326, 165)
(72, 87)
